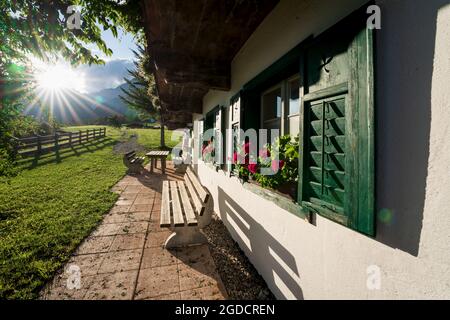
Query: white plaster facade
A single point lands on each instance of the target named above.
(299, 260)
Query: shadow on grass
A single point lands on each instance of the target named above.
(62, 154)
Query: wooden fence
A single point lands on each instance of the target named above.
(39, 145)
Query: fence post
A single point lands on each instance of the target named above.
(104, 132)
(39, 144)
(56, 142)
(70, 139)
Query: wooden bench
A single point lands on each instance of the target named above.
(133, 163)
(186, 207)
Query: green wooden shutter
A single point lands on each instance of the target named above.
(237, 122)
(223, 133)
(337, 157)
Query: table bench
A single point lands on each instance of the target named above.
(133, 162)
(154, 156)
(186, 208)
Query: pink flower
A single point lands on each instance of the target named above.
(277, 165)
(235, 157)
(253, 167)
(264, 153)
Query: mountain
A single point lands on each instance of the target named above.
(78, 108)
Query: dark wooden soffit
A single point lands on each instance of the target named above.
(192, 44)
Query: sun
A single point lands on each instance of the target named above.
(59, 77)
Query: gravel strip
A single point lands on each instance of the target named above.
(239, 276)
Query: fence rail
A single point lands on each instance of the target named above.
(39, 145)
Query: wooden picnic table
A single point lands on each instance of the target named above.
(154, 156)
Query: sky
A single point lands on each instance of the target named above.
(110, 75)
(87, 79)
(121, 46)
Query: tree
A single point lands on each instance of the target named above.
(142, 93)
(43, 28)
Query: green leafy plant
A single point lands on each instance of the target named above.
(281, 159)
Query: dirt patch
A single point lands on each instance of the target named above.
(239, 276)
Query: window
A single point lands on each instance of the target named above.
(293, 118)
(212, 149)
(272, 103)
(280, 106)
(323, 91)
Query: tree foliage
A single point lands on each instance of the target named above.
(141, 93)
(40, 28)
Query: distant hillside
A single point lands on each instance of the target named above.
(89, 108)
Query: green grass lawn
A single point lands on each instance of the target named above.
(52, 205)
(149, 138)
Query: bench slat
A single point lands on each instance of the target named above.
(198, 205)
(176, 206)
(188, 211)
(165, 206)
(198, 187)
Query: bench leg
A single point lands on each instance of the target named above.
(163, 165)
(151, 164)
(185, 236)
(205, 219)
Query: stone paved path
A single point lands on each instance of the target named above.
(124, 258)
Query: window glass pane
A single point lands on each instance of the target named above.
(272, 105)
(294, 125)
(294, 96)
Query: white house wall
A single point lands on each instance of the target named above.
(412, 250)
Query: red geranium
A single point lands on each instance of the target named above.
(253, 168)
(235, 157)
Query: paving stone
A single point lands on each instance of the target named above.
(157, 239)
(124, 202)
(143, 200)
(173, 296)
(158, 257)
(157, 281)
(141, 207)
(95, 245)
(120, 209)
(197, 276)
(89, 264)
(128, 196)
(205, 293)
(112, 286)
(134, 227)
(108, 229)
(153, 226)
(194, 254)
(118, 261)
(127, 217)
(128, 242)
(133, 188)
